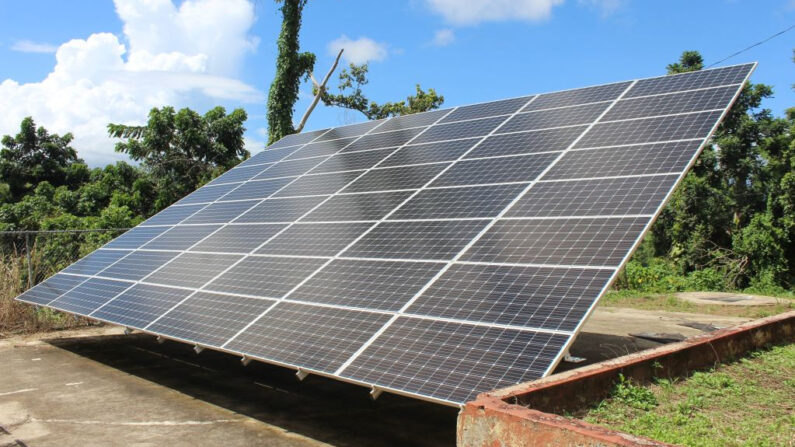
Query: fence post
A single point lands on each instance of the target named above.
(27, 255)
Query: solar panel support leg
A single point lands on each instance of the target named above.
(245, 360)
(128, 330)
(198, 348)
(375, 392)
(572, 359)
(301, 374)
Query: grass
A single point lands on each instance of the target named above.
(16, 317)
(747, 403)
(668, 302)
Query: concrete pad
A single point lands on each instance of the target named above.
(624, 321)
(68, 389)
(728, 299)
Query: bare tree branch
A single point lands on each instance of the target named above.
(320, 89)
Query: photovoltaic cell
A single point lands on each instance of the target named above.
(527, 142)
(208, 194)
(616, 196)
(429, 152)
(315, 184)
(321, 148)
(365, 206)
(495, 108)
(463, 129)
(495, 170)
(319, 239)
(710, 99)
(180, 238)
(568, 116)
(239, 238)
(449, 361)
(644, 159)
(96, 261)
(267, 277)
(240, 174)
(376, 285)
(280, 210)
(138, 264)
(688, 81)
(493, 294)
(585, 95)
(210, 319)
(435, 240)
(404, 177)
(413, 120)
(140, 305)
(268, 156)
(464, 254)
(192, 269)
(290, 168)
(136, 237)
(352, 161)
(173, 215)
(50, 289)
(470, 201)
(317, 338)
(88, 296)
(256, 189)
(383, 139)
(576, 241)
(646, 130)
(349, 131)
(220, 212)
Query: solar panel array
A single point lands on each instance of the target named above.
(437, 255)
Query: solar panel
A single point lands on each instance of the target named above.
(436, 255)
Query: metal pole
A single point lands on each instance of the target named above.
(27, 255)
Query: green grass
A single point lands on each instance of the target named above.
(747, 403)
(668, 302)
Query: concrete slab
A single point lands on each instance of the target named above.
(69, 389)
(728, 299)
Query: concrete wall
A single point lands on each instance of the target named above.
(504, 417)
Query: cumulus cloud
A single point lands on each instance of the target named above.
(27, 46)
(170, 56)
(476, 11)
(359, 51)
(443, 37)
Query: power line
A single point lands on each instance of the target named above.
(752, 46)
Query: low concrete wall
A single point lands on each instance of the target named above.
(504, 418)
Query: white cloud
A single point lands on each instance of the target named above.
(359, 51)
(472, 12)
(443, 37)
(27, 46)
(178, 56)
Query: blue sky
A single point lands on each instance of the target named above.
(75, 66)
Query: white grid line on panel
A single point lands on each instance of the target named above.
(651, 221)
(447, 266)
(245, 256)
(311, 275)
(181, 252)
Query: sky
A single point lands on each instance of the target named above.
(77, 66)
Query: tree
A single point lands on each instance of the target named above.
(733, 211)
(34, 155)
(182, 150)
(291, 67)
(352, 97)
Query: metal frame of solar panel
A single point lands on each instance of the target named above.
(435, 255)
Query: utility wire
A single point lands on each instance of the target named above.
(752, 46)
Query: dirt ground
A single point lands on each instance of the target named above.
(99, 387)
